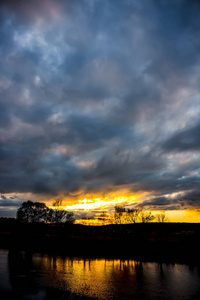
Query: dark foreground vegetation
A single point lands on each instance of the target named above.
(174, 242)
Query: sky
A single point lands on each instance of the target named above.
(100, 105)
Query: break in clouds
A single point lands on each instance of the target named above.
(97, 96)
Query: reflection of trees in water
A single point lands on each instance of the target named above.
(73, 278)
(25, 278)
(21, 273)
(127, 278)
(120, 273)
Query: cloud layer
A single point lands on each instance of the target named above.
(100, 95)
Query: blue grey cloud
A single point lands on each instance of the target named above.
(186, 139)
(97, 95)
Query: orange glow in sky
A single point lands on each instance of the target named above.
(100, 203)
(107, 204)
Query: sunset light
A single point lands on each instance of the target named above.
(101, 203)
(99, 116)
(99, 149)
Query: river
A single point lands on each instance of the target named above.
(25, 275)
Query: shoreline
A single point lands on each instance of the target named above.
(167, 242)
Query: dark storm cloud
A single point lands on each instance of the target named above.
(9, 202)
(9, 206)
(187, 139)
(161, 203)
(124, 167)
(188, 199)
(96, 94)
(36, 171)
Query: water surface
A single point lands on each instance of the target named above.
(24, 275)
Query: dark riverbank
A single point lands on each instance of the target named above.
(170, 242)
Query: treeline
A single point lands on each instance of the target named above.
(39, 212)
(130, 216)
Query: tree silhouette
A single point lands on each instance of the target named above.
(103, 217)
(123, 215)
(161, 217)
(59, 215)
(146, 217)
(32, 212)
(132, 215)
(39, 212)
(118, 215)
(129, 216)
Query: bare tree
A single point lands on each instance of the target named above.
(132, 215)
(59, 215)
(104, 217)
(161, 217)
(146, 217)
(119, 213)
(57, 203)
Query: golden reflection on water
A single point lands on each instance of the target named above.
(107, 279)
(103, 278)
(92, 277)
